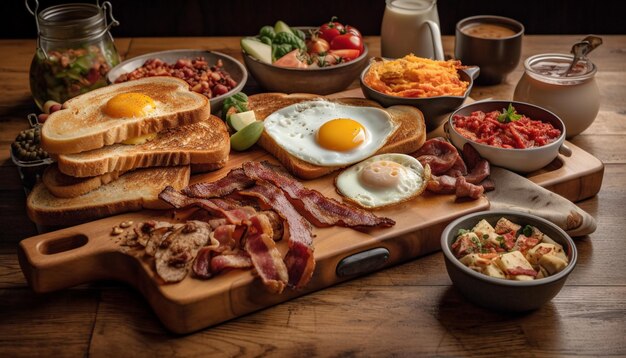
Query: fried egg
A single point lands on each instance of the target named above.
(129, 105)
(383, 180)
(330, 134)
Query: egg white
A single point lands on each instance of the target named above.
(294, 129)
(411, 184)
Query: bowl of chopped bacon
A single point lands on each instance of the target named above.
(434, 87)
(210, 73)
(514, 135)
(507, 261)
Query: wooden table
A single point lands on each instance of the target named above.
(407, 310)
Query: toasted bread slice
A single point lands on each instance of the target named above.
(203, 143)
(409, 136)
(83, 125)
(65, 186)
(131, 192)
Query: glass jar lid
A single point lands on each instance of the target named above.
(551, 68)
(71, 21)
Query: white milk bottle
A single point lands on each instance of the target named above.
(411, 26)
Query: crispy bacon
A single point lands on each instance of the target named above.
(264, 255)
(237, 260)
(299, 259)
(277, 223)
(201, 265)
(179, 201)
(235, 180)
(209, 262)
(229, 236)
(318, 209)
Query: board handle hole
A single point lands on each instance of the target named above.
(63, 244)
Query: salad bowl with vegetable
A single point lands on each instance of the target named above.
(321, 60)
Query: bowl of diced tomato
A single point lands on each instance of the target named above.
(321, 60)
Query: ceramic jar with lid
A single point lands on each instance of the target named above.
(75, 51)
(574, 98)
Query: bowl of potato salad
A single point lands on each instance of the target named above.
(507, 260)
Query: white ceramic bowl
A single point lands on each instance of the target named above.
(518, 160)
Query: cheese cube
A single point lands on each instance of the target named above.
(524, 243)
(514, 264)
(552, 264)
(504, 226)
(483, 228)
(534, 255)
(475, 260)
(548, 240)
(493, 270)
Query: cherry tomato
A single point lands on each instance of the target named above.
(347, 41)
(331, 29)
(345, 54)
(352, 30)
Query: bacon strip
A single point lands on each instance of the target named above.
(237, 260)
(200, 265)
(264, 255)
(235, 180)
(300, 261)
(179, 201)
(318, 209)
(209, 262)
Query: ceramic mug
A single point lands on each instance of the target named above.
(493, 43)
(411, 26)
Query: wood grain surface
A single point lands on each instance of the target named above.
(407, 310)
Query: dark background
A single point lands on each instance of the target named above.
(142, 18)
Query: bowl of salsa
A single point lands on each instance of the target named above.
(514, 135)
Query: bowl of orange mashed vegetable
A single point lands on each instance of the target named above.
(434, 87)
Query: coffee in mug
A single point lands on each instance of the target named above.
(487, 31)
(493, 43)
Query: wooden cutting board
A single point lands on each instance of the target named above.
(88, 252)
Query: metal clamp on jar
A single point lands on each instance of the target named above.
(75, 50)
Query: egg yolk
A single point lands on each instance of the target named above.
(341, 134)
(129, 105)
(381, 174)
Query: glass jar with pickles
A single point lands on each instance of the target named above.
(75, 51)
